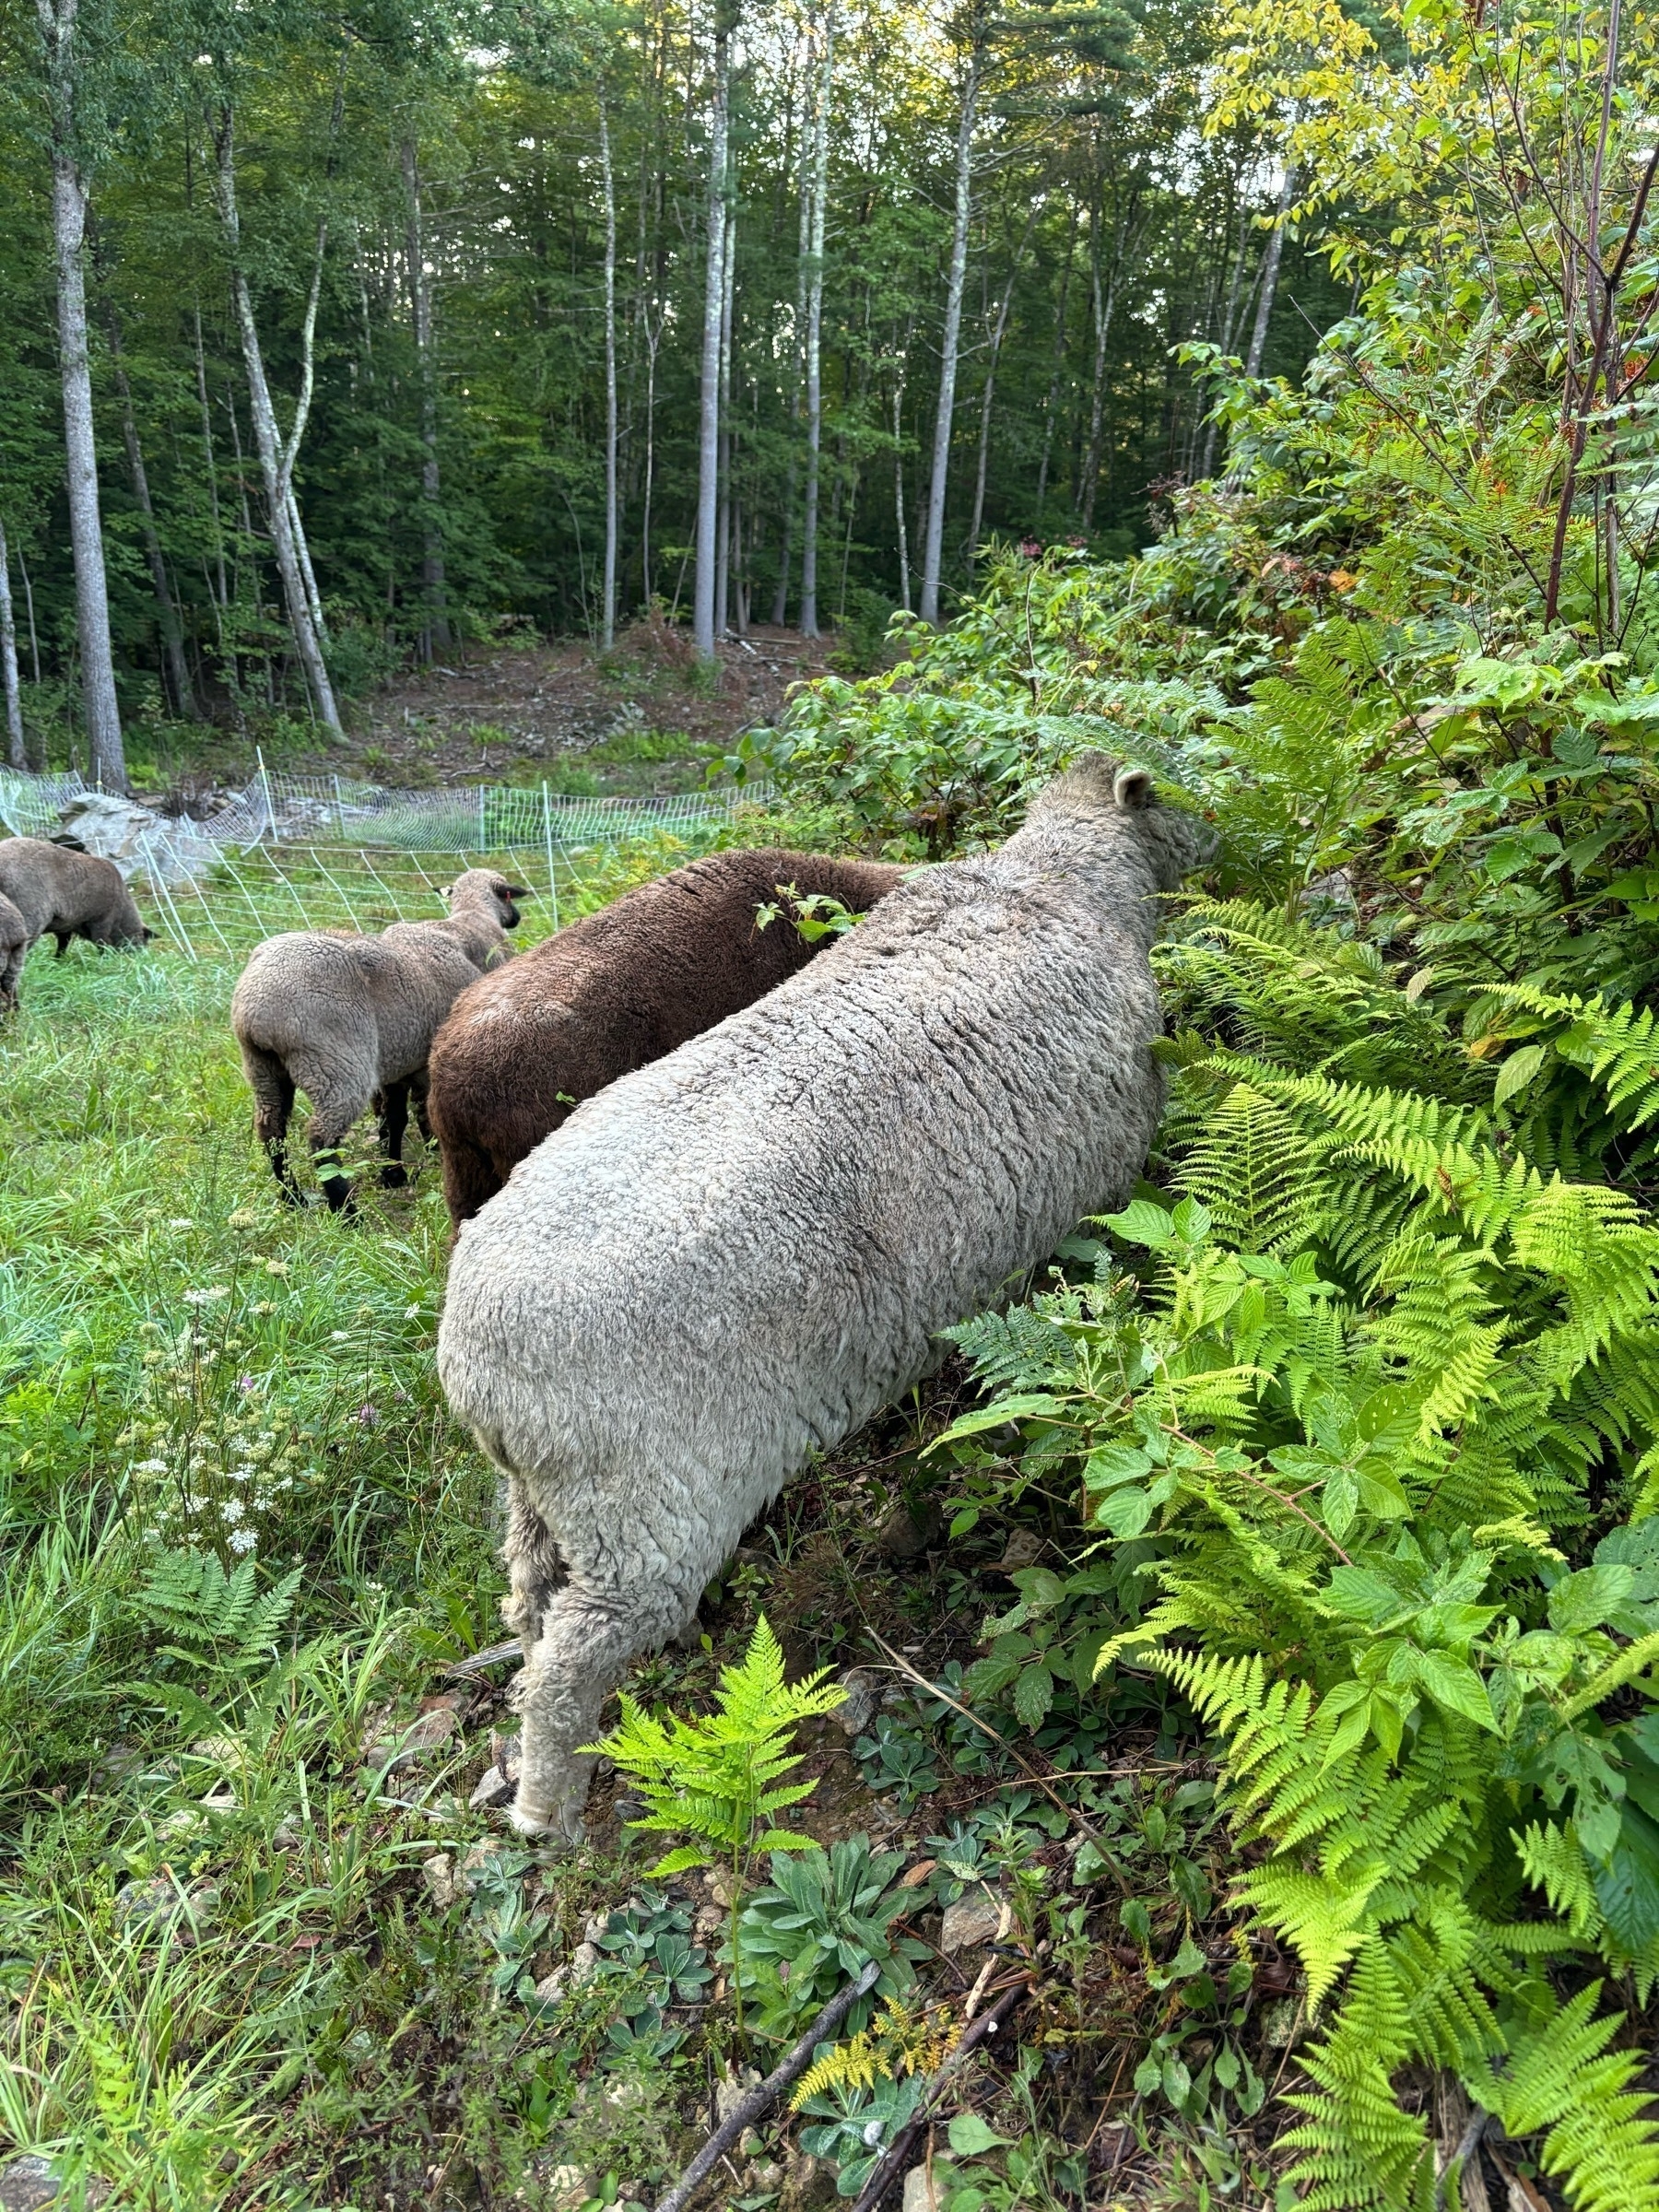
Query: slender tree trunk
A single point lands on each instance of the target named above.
(815, 330)
(167, 613)
(16, 755)
(988, 395)
(436, 628)
(1052, 405)
(1270, 269)
(933, 544)
(106, 755)
(653, 340)
(904, 573)
(213, 497)
(708, 444)
(803, 256)
(276, 456)
(607, 612)
(722, 573)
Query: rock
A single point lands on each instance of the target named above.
(492, 1788)
(285, 1837)
(28, 2183)
(585, 1964)
(596, 1926)
(975, 1918)
(567, 2187)
(709, 1922)
(864, 1692)
(905, 1535)
(137, 838)
(718, 1886)
(550, 1989)
(921, 2193)
(730, 2092)
(426, 1733)
(1282, 2024)
(438, 1875)
(1024, 1548)
(161, 1903)
(808, 2184)
(765, 2176)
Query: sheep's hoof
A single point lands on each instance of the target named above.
(393, 1178)
(555, 1827)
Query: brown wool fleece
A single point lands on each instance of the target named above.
(613, 993)
(64, 894)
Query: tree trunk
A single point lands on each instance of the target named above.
(434, 599)
(105, 753)
(275, 458)
(1270, 269)
(904, 574)
(179, 686)
(1052, 408)
(607, 610)
(815, 330)
(780, 608)
(723, 571)
(16, 753)
(708, 444)
(213, 498)
(998, 330)
(933, 543)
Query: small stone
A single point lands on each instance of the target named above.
(492, 1788)
(566, 2188)
(921, 2193)
(438, 1875)
(284, 1837)
(1024, 1548)
(1282, 2024)
(27, 2183)
(975, 1918)
(905, 1535)
(550, 1989)
(426, 1733)
(730, 2092)
(585, 1964)
(808, 2184)
(718, 1886)
(765, 2177)
(709, 1922)
(160, 1901)
(864, 1690)
(597, 1926)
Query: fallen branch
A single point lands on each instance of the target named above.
(733, 2128)
(892, 2161)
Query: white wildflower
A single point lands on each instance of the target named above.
(243, 1541)
(205, 1297)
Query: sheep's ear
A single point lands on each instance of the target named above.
(1134, 789)
(517, 890)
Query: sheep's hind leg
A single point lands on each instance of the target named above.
(535, 1572)
(273, 1089)
(394, 1120)
(587, 1639)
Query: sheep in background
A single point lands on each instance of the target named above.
(14, 945)
(63, 893)
(350, 1019)
(732, 1259)
(612, 992)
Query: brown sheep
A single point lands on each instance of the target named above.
(14, 944)
(61, 893)
(612, 992)
(349, 1020)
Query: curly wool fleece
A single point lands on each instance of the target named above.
(733, 1258)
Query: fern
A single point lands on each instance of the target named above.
(218, 1618)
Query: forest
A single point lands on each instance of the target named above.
(1198, 1742)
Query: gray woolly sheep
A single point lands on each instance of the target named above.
(350, 1019)
(62, 893)
(612, 992)
(733, 1258)
(14, 944)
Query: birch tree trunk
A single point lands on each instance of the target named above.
(433, 592)
(904, 573)
(780, 607)
(607, 608)
(106, 755)
(275, 455)
(16, 755)
(722, 521)
(1270, 269)
(179, 684)
(815, 330)
(708, 446)
(933, 543)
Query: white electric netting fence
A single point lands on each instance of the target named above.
(326, 853)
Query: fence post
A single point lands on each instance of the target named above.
(548, 835)
(482, 846)
(265, 782)
(339, 811)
